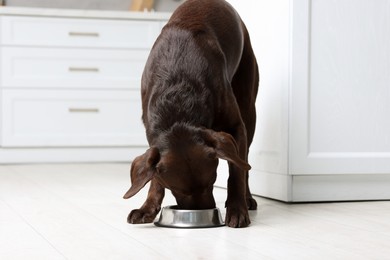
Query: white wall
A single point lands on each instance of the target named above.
(268, 23)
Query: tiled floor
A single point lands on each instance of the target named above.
(76, 211)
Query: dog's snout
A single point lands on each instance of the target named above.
(196, 201)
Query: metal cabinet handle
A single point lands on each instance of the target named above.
(83, 69)
(84, 34)
(83, 110)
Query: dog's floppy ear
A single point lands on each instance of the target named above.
(142, 171)
(225, 147)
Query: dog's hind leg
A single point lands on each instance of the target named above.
(245, 85)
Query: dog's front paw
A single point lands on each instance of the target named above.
(141, 216)
(237, 217)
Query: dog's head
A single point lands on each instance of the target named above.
(184, 160)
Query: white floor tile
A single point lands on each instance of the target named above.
(76, 211)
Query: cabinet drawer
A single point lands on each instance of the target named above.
(74, 68)
(41, 118)
(42, 31)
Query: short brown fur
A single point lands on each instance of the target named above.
(199, 89)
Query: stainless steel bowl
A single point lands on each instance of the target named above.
(173, 217)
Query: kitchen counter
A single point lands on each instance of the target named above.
(76, 13)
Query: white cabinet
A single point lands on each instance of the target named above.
(68, 118)
(340, 120)
(323, 128)
(75, 68)
(75, 32)
(70, 84)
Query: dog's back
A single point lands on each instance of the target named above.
(213, 24)
(188, 71)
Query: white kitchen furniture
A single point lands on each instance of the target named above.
(323, 129)
(70, 83)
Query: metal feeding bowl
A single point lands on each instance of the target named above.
(173, 217)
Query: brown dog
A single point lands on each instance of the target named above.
(199, 88)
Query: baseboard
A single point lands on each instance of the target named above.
(346, 187)
(315, 188)
(64, 155)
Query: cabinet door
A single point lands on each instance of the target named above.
(87, 33)
(71, 68)
(59, 118)
(340, 118)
